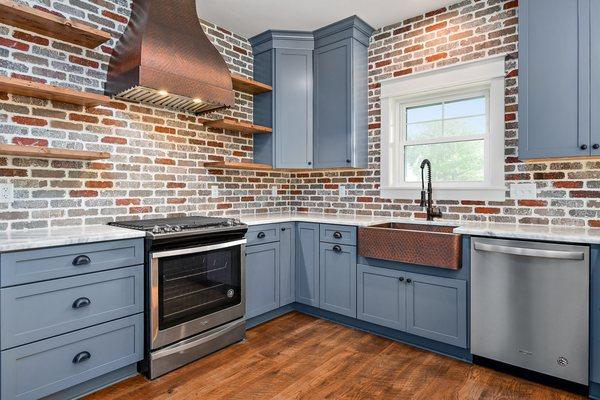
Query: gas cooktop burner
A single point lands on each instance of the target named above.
(169, 226)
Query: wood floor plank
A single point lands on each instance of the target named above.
(301, 357)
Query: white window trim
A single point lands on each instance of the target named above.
(485, 76)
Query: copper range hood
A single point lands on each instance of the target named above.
(165, 59)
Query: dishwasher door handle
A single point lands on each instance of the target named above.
(527, 252)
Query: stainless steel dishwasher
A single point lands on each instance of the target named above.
(530, 305)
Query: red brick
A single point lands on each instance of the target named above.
(382, 63)
(114, 140)
(436, 27)
(548, 175)
(594, 223)
(83, 193)
(568, 184)
(84, 118)
(511, 4)
(487, 210)
(140, 210)
(128, 202)
(114, 122)
(100, 166)
(533, 203)
(175, 185)
(176, 200)
(402, 72)
(29, 121)
(164, 161)
(114, 16)
(164, 129)
(13, 44)
(99, 184)
(31, 38)
(364, 199)
(84, 61)
(223, 206)
(13, 172)
(30, 142)
(436, 57)
(590, 194)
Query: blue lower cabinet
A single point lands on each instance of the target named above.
(307, 264)
(287, 262)
(436, 308)
(262, 278)
(338, 278)
(381, 296)
(42, 368)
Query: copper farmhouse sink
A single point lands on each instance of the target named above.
(430, 245)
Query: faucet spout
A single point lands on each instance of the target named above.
(427, 197)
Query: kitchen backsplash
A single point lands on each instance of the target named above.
(568, 191)
(157, 154)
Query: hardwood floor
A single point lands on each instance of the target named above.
(300, 357)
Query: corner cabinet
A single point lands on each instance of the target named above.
(341, 94)
(307, 264)
(319, 103)
(285, 61)
(559, 96)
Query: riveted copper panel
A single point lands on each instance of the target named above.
(164, 49)
(430, 245)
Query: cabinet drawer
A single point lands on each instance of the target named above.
(58, 262)
(262, 234)
(42, 368)
(338, 234)
(40, 310)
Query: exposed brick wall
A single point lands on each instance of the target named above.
(568, 191)
(157, 154)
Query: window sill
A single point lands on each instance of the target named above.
(486, 194)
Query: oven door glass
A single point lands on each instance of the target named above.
(194, 285)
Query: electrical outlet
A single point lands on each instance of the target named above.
(214, 191)
(6, 192)
(520, 191)
(342, 191)
(274, 191)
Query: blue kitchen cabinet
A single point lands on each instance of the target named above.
(554, 78)
(381, 296)
(436, 308)
(341, 94)
(287, 262)
(285, 60)
(262, 278)
(337, 283)
(307, 264)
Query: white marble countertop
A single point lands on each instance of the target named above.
(339, 219)
(62, 236)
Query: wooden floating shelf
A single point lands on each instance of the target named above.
(49, 92)
(45, 152)
(267, 167)
(248, 85)
(47, 24)
(231, 124)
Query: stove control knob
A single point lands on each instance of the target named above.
(176, 228)
(156, 229)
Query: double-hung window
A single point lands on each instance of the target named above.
(453, 117)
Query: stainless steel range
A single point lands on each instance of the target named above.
(195, 293)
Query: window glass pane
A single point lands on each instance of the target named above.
(424, 130)
(450, 162)
(465, 126)
(464, 108)
(424, 113)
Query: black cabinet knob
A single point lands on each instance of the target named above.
(596, 146)
(583, 147)
(348, 161)
(81, 260)
(282, 229)
(408, 280)
(401, 279)
(310, 163)
(261, 235)
(337, 235)
(81, 357)
(81, 302)
(337, 249)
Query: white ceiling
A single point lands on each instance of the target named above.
(251, 17)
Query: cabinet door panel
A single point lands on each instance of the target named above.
(338, 279)
(554, 91)
(437, 308)
(262, 278)
(333, 104)
(293, 108)
(307, 264)
(381, 296)
(287, 278)
(595, 65)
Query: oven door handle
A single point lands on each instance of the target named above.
(201, 249)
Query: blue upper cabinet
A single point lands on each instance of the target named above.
(341, 94)
(284, 60)
(555, 114)
(595, 73)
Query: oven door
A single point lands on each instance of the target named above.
(195, 289)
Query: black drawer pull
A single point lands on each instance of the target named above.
(337, 235)
(337, 249)
(81, 357)
(401, 279)
(82, 302)
(408, 280)
(81, 260)
(261, 235)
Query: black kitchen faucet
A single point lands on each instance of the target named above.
(431, 211)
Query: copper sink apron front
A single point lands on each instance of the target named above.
(429, 245)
